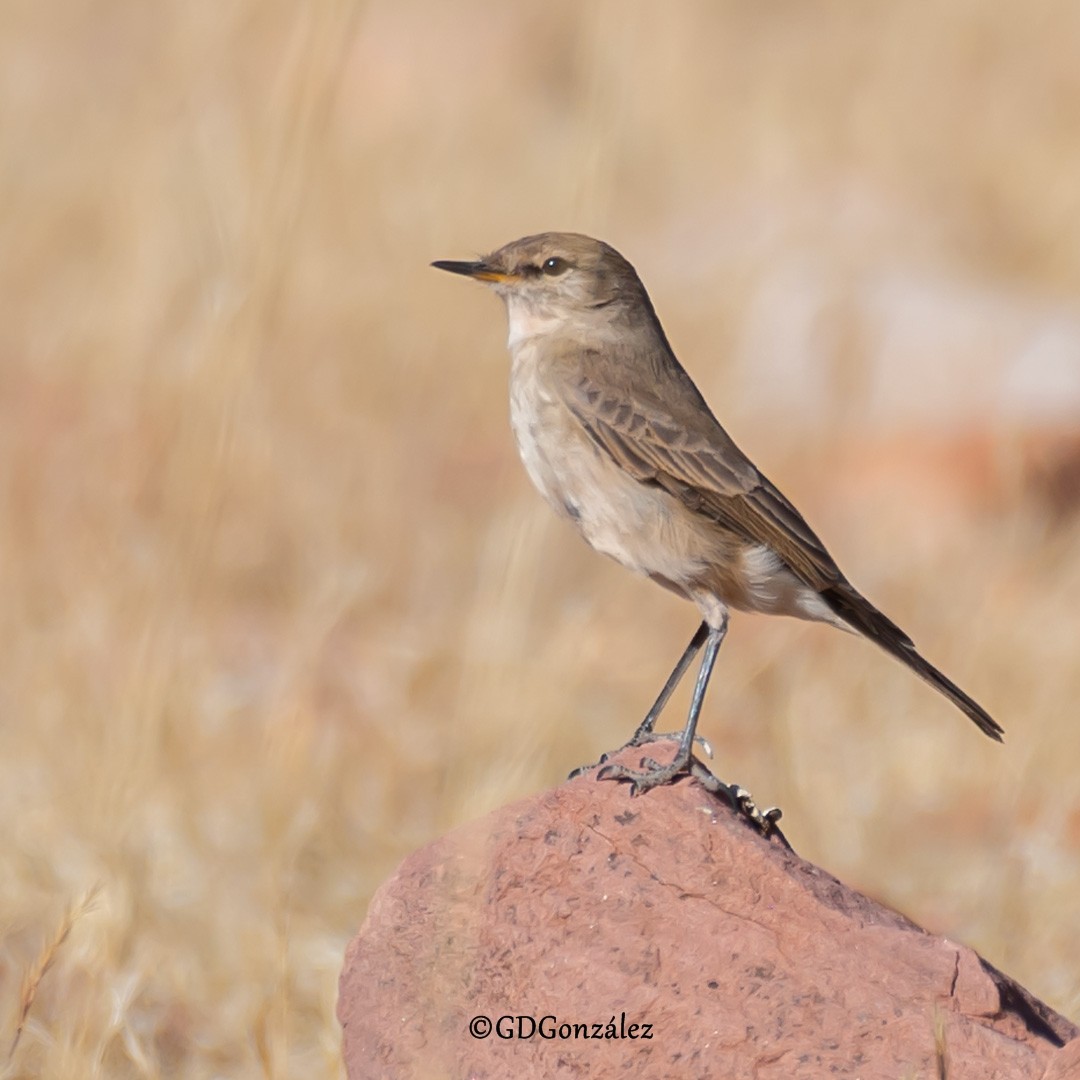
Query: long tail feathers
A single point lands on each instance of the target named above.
(863, 617)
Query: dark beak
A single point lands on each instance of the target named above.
(480, 271)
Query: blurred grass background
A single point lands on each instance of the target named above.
(278, 604)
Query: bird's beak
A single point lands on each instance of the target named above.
(480, 271)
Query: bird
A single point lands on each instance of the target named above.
(618, 439)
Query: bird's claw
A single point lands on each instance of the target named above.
(652, 774)
(641, 739)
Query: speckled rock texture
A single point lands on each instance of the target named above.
(583, 933)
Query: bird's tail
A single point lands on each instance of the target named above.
(864, 618)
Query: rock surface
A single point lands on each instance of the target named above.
(664, 937)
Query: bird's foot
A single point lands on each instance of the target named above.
(651, 774)
(640, 738)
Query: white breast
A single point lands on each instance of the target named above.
(525, 323)
(533, 414)
(616, 514)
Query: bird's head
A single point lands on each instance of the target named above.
(552, 278)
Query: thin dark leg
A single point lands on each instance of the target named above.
(654, 774)
(646, 726)
(712, 647)
(644, 733)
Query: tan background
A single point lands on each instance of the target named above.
(277, 603)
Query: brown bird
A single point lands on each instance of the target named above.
(618, 439)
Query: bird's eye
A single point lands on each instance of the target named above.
(555, 266)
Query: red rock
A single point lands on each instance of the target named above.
(733, 956)
(1065, 1064)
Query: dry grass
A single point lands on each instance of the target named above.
(277, 605)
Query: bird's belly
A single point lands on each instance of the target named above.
(636, 524)
(642, 526)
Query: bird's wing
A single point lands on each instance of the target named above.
(671, 439)
(685, 451)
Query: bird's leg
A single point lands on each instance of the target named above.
(653, 774)
(644, 732)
